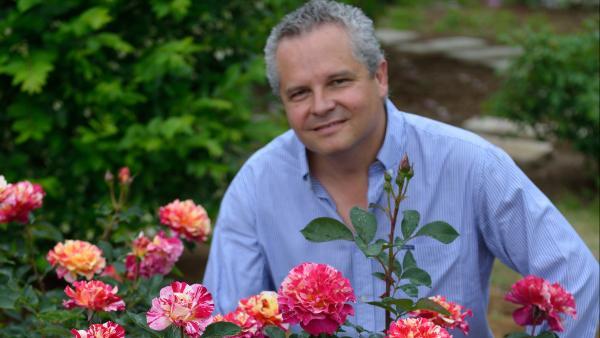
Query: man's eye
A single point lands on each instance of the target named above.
(298, 95)
(338, 82)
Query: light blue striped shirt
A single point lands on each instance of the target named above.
(459, 178)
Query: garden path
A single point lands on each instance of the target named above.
(519, 144)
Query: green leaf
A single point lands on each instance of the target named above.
(547, 334)
(221, 329)
(91, 20)
(383, 305)
(8, 298)
(410, 290)
(29, 297)
(401, 304)
(178, 8)
(410, 221)
(55, 331)
(31, 73)
(139, 319)
(115, 42)
(517, 335)
(324, 229)
(439, 230)
(397, 269)
(364, 222)
(417, 276)
(47, 231)
(59, 316)
(379, 275)
(428, 304)
(409, 261)
(24, 5)
(373, 250)
(274, 332)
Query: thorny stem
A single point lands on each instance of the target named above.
(30, 257)
(182, 333)
(117, 206)
(391, 254)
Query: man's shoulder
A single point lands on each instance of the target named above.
(281, 153)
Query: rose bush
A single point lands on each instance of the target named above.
(122, 286)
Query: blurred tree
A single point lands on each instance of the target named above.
(162, 86)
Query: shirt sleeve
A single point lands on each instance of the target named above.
(236, 266)
(525, 231)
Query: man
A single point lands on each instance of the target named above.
(327, 67)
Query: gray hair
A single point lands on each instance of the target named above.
(365, 47)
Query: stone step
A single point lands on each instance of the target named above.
(441, 45)
(524, 151)
(392, 36)
(499, 65)
(487, 52)
(498, 58)
(493, 125)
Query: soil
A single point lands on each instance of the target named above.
(452, 91)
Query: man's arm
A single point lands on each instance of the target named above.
(526, 232)
(236, 267)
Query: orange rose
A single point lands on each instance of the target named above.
(76, 257)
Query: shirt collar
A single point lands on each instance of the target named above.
(393, 146)
(388, 155)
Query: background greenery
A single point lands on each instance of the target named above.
(162, 86)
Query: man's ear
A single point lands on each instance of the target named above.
(381, 76)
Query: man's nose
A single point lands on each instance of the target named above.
(322, 103)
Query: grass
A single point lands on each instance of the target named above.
(474, 19)
(584, 215)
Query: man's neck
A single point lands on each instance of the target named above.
(351, 163)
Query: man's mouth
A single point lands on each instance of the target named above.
(330, 125)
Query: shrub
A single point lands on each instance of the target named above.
(554, 87)
(162, 86)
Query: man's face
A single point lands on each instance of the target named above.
(331, 101)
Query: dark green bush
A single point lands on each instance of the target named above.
(164, 87)
(554, 86)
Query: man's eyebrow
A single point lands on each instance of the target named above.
(343, 73)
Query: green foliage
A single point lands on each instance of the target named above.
(408, 276)
(164, 87)
(554, 88)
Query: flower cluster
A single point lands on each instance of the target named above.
(457, 318)
(316, 296)
(18, 200)
(106, 330)
(254, 313)
(416, 327)
(93, 295)
(187, 219)
(156, 257)
(76, 257)
(187, 306)
(542, 301)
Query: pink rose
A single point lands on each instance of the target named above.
(183, 305)
(18, 200)
(316, 296)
